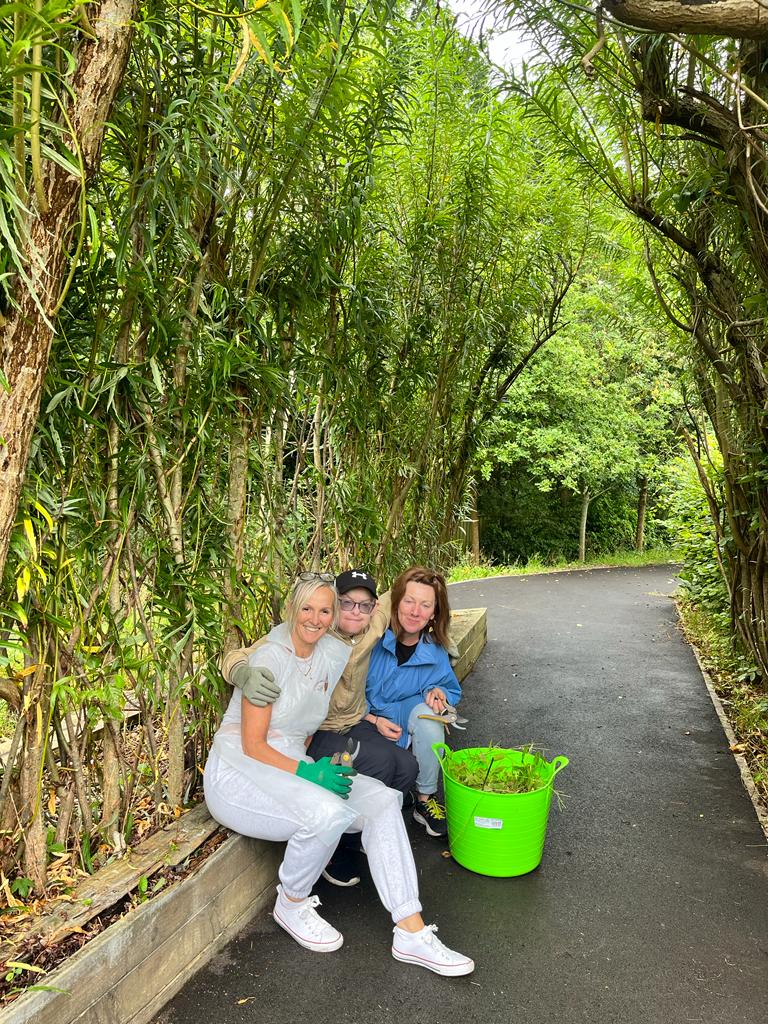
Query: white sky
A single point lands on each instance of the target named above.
(507, 48)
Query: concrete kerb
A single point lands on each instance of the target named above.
(741, 762)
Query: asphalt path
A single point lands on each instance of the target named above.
(651, 903)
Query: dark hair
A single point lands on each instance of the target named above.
(438, 627)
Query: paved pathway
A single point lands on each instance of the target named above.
(651, 903)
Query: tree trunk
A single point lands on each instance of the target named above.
(110, 767)
(474, 525)
(110, 784)
(180, 379)
(747, 19)
(30, 814)
(586, 497)
(181, 664)
(27, 334)
(239, 440)
(642, 502)
(319, 464)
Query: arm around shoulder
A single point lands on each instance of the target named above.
(251, 672)
(381, 616)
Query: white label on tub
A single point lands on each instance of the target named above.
(488, 822)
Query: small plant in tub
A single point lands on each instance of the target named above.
(491, 769)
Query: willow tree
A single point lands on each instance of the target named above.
(476, 264)
(164, 365)
(57, 135)
(673, 127)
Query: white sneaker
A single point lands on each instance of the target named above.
(425, 949)
(304, 924)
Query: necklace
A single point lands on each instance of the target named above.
(304, 665)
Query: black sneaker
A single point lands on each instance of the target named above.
(342, 869)
(431, 815)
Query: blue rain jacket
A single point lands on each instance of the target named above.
(393, 690)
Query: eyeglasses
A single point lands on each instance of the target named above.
(307, 577)
(347, 605)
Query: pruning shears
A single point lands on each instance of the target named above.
(447, 717)
(347, 757)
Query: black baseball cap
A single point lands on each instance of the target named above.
(352, 578)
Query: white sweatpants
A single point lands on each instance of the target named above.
(258, 800)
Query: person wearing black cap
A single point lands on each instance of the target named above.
(363, 619)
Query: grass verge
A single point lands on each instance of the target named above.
(743, 696)
(464, 570)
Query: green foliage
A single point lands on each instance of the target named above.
(518, 520)
(7, 721)
(22, 887)
(737, 682)
(690, 521)
(495, 770)
(594, 419)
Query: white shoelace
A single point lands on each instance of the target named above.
(439, 947)
(315, 924)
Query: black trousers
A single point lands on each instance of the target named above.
(378, 757)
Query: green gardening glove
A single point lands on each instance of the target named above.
(258, 684)
(333, 777)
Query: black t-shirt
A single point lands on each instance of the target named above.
(404, 652)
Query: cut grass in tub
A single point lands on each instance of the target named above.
(491, 770)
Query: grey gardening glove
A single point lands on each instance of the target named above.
(258, 684)
(452, 650)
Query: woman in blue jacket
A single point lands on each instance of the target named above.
(410, 674)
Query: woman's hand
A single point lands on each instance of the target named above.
(389, 730)
(436, 700)
(335, 778)
(257, 683)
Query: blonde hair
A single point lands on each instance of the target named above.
(301, 591)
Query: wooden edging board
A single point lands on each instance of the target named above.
(128, 972)
(168, 847)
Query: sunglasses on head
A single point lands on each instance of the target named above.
(429, 580)
(307, 577)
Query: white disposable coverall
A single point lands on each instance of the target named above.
(258, 800)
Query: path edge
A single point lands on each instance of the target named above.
(553, 572)
(761, 811)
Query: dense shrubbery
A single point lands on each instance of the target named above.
(518, 521)
(690, 521)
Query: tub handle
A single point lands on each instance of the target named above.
(558, 763)
(445, 749)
